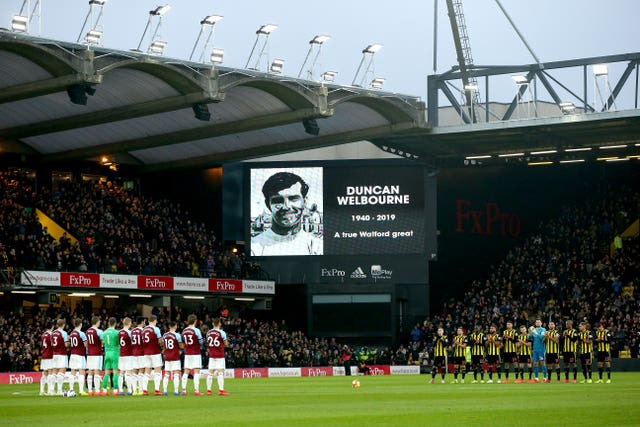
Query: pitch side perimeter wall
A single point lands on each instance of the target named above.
(24, 378)
(15, 378)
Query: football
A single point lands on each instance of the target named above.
(69, 393)
(355, 384)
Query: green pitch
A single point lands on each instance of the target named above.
(331, 401)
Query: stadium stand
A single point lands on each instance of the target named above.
(565, 271)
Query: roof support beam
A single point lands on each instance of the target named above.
(623, 79)
(106, 116)
(285, 147)
(41, 87)
(220, 129)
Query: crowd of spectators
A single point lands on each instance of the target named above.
(115, 230)
(567, 270)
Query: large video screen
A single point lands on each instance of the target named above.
(337, 209)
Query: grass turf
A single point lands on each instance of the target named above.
(331, 401)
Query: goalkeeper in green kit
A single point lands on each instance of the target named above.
(111, 356)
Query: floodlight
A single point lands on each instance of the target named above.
(372, 48)
(277, 65)
(211, 19)
(97, 2)
(207, 25)
(471, 86)
(157, 47)
(20, 23)
(567, 107)
(319, 39)
(520, 79)
(377, 83)
(160, 10)
(217, 55)
(370, 51)
(600, 70)
(329, 76)
(262, 38)
(93, 37)
(315, 44)
(267, 29)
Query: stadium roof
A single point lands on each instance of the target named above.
(63, 101)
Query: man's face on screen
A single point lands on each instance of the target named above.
(287, 207)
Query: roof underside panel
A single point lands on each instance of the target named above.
(240, 103)
(15, 70)
(119, 88)
(347, 117)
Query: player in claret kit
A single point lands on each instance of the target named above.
(46, 357)
(77, 359)
(216, 341)
(94, 357)
(137, 366)
(192, 340)
(151, 342)
(125, 361)
(172, 345)
(59, 344)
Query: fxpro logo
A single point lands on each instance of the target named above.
(377, 272)
(358, 274)
(332, 272)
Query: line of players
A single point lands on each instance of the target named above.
(133, 354)
(535, 349)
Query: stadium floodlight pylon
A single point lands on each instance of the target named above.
(94, 35)
(262, 39)
(207, 25)
(156, 45)
(21, 22)
(367, 56)
(315, 48)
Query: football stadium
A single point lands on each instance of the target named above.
(190, 237)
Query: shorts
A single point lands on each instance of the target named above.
(552, 358)
(46, 364)
(538, 356)
(477, 360)
(439, 361)
(568, 357)
(192, 361)
(493, 359)
(459, 360)
(152, 361)
(138, 362)
(603, 356)
(216, 364)
(94, 363)
(77, 362)
(59, 361)
(125, 363)
(172, 365)
(111, 361)
(510, 358)
(585, 359)
(524, 359)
